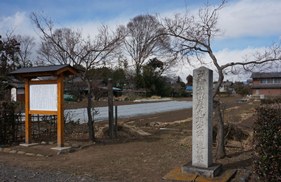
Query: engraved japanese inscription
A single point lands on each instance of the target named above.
(201, 122)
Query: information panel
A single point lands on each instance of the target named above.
(43, 97)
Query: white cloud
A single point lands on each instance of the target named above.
(239, 18)
(251, 18)
(19, 23)
(90, 28)
(223, 56)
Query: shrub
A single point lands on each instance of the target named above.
(7, 123)
(267, 142)
(274, 100)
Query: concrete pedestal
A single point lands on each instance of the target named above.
(210, 172)
(61, 148)
(28, 144)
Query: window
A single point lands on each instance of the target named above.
(263, 81)
(277, 80)
(270, 80)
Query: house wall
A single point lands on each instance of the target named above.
(256, 82)
(20, 95)
(265, 91)
(20, 98)
(268, 92)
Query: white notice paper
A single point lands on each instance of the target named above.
(43, 97)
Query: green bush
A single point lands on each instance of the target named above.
(7, 123)
(267, 142)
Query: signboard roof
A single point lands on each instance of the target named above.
(44, 71)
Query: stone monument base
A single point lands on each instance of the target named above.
(209, 172)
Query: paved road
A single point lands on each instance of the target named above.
(126, 111)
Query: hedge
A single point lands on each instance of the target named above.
(7, 123)
(267, 142)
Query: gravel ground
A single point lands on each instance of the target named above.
(15, 174)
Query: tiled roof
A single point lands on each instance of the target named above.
(266, 75)
(39, 69)
(53, 70)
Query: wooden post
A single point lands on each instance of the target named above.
(27, 115)
(60, 118)
(116, 119)
(110, 108)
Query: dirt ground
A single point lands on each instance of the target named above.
(146, 149)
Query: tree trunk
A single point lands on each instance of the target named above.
(138, 77)
(220, 148)
(89, 112)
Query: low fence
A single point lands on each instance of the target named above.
(12, 126)
(8, 126)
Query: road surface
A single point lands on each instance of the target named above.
(126, 111)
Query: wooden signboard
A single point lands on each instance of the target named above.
(44, 96)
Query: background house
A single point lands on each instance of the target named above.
(226, 87)
(17, 91)
(267, 84)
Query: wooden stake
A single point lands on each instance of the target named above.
(60, 119)
(27, 114)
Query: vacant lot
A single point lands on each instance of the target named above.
(146, 149)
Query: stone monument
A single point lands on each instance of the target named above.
(202, 111)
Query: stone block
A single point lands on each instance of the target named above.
(28, 144)
(30, 154)
(6, 150)
(21, 152)
(13, 152)
(62, 150)
(210, 172)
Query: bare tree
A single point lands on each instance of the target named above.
(65, 46)
(27, 45)
(193, 35)
(69, 47)
(9, 48)
(145, 38)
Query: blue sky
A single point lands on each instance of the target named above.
(246, 25)
(89, 10)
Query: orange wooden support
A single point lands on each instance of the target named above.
(27, 115)
(60, 118)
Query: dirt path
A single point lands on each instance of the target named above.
(131, 157)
